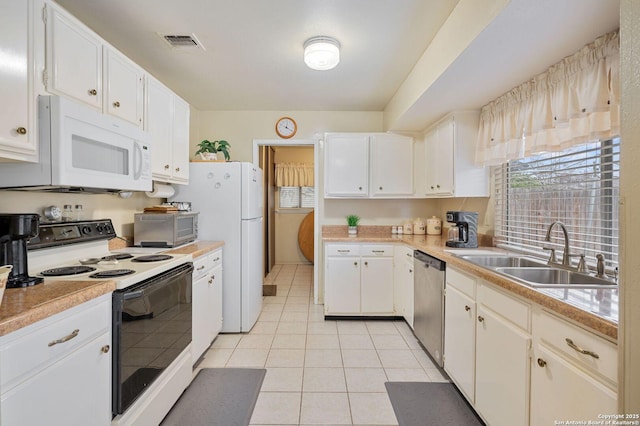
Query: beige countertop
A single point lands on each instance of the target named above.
(596, 309)
(21, 307)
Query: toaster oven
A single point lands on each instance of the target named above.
(164, 229)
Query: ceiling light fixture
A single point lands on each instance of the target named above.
(321, 53)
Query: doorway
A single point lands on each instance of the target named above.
(290, 209)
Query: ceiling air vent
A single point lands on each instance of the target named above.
(182, 41)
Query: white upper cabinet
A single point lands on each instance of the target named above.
(73, 59)
(391, 165)
(450, 151)
(124, 83)
(18, 133)
(167, 121)
(368, 165)
(346, 166)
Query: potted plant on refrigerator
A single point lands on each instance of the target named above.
(352, 222)
(216, 150)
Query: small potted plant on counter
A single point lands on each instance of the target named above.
(352, 221)
(216, 150)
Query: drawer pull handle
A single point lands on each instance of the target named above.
(411, 271)
(366, 263)
(355, 263)
(105, 349)
(377, 251)
(579, 349)
(73, 334)
(93, 92)
(344, 251)
(200, 268)
(467, 308)
(542, 362)
(216, 259)
(116, 104)
(480, 318)
(21, 131)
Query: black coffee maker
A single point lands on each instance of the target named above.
(464, 232)
(15, 231)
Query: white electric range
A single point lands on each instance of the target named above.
(80, 251)
(152, 318)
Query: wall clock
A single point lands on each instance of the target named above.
(286, 127)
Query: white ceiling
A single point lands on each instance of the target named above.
(253, 56)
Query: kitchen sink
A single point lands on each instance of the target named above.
(501, 261)
(554, 277)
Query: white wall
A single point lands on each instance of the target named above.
(629, 331)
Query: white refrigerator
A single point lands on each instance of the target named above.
(228, 197)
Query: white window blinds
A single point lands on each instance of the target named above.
(578, 187)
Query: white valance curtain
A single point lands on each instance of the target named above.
(294, 174)
(574, 101)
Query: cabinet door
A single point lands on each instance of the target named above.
(560, 390)
(439, 147)
(346, 166)
(18, 136)
(74, 391)
(180, 141)
(200, 326)
(216, 301)
(158, 124)
(407, 267)
(74, 58)
(123, 87)
(391, 165)
(502, 370)
(460, 340)
(376, 285)
(342, 285)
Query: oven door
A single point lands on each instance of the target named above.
(151, 328)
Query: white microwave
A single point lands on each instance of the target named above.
(82, 150)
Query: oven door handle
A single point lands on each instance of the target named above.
(133, 294)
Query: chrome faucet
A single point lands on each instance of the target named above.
(566, 257)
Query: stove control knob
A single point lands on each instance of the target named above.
(86, 230)
(99, 228)
(108, 228)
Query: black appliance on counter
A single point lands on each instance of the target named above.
(15, 231)
(464, 232)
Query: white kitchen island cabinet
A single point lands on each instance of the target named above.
(58, 370)
(567, 383)
(18, 129)
(167, 121)
(450, 158)
(368, 165)
(359, 280)
(207, 302)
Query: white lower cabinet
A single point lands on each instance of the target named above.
(358, 279)
(502, 367)
(403, 283)
(58, 370)
(460, 332)
(207, 302)
(487, 345)
(566, 383)
(518, 364)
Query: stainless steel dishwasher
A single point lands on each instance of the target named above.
(428, 322)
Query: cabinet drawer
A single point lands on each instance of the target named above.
(462, 282)
(201, 266)
(216, 258)
(33, 348)
(342, 250)
(511, 309)
(554, 332)
(376, 250)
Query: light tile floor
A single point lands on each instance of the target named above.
(321, 372)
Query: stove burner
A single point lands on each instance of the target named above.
(152, 258)
(66, 270)
(117, 256)
(112, 273)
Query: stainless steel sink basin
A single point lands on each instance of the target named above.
(553, 277)
(497, 261)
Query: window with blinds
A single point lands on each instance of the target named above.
(578, 187)
(295, 197)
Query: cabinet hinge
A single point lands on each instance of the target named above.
(44, 14)
(44, 77)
